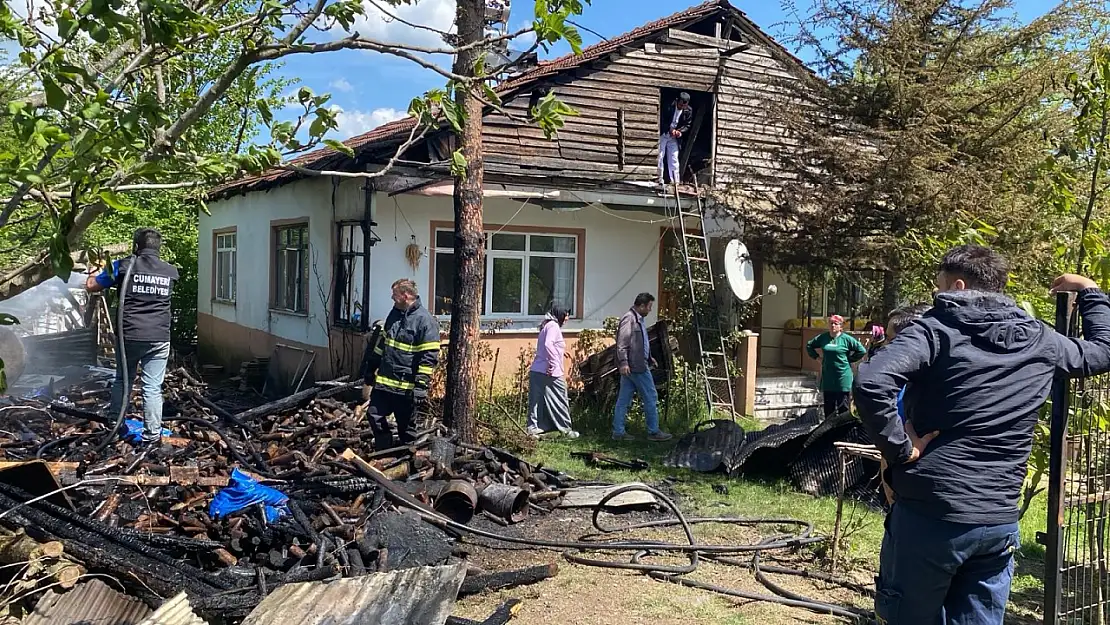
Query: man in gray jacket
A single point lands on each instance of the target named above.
(634, 359)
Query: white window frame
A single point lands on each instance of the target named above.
(525, 255)
(233, 258)
(302, 256)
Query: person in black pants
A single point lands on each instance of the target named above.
(397, 366)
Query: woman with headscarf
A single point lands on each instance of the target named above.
(838, 351)
(548, 405)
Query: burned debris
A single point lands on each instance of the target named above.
(240, 500)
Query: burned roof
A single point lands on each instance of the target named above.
(398, 131)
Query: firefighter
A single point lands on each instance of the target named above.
(146, 324)
(398, 364)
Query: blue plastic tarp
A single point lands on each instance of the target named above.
(134, 431)
(242, 492)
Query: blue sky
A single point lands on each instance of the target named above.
(372, 89)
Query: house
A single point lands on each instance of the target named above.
(290, 261)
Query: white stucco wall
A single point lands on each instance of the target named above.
(252, 215)
(621, 253)
(777, 310)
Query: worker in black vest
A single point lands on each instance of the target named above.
(146, 324)
(398, 364)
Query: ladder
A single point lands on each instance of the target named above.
(714, 370)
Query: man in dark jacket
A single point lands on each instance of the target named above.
(978, 369)
(146, 324)
(673, 126)
(398, 365)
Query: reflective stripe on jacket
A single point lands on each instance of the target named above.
(403, 352)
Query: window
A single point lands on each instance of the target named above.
(291, 268)
(525, 273)
(225, 266)
(350, 267)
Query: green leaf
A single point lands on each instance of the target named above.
(55, 97)
(113, 200)
(66, 23)
(339, 146)
(8, 320)
(454, 114)
(458, 164)
(60, 259)
(491, 95)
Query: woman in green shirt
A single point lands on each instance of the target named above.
(839, 351)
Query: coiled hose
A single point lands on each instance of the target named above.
(692, 549)
(121, 363)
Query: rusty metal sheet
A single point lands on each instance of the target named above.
(712, 446)
(418, 596)
(176, 611)
(89, 603)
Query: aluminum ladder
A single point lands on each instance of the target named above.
(714, 370)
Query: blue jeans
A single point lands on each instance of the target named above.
(934, 572)
(643, 385)
(153, 357)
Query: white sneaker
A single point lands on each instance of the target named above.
(571, 434)
(535, 432)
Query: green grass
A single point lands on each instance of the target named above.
(745, 497)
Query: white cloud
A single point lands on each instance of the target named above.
(437, 14)
(352, 123)
(341, 84)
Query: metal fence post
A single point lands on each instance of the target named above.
(1054, 544)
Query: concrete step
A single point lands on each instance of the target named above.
(782, 381)
(788, 397)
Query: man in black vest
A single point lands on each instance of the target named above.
(146, 323)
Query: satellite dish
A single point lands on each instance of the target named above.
(739, 269)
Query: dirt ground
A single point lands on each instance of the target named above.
(589, 595)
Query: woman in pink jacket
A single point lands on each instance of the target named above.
(548, 405)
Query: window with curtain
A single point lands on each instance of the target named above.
(525, 273)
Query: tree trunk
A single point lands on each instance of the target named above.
(460, 404)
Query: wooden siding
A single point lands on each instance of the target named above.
(588, 143)
(628, 85)
(748, 134)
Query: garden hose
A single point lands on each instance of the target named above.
(121, 364)
(672, 573)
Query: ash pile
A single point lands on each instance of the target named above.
(239, 501)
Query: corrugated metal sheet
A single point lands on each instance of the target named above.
(712, 446)
(176, 611)
(89, 603)
(419, 596)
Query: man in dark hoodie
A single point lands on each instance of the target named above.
(978, 369)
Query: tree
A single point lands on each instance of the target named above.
(114, 99)
(926, 121)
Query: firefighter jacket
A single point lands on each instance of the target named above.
(403, 352)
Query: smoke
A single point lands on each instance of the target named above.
(49, 309)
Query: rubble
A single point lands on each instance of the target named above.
(311, 500)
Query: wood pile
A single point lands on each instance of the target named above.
(146, 517)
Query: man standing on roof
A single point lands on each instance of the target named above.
(673, 126)
(398, 363)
